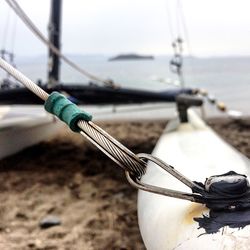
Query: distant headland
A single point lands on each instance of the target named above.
(122, 57)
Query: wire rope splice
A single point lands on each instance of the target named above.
(69, 113)
(80, 121)
(225, 192)
(233, 194)
(137, 183)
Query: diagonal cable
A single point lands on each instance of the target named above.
(105, 142)
(23, 16)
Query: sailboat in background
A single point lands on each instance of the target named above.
(98, 91)
(30, 125)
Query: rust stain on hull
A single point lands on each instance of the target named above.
(194, 210)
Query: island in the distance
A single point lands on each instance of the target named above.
(122, 57)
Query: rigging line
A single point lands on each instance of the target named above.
(184, 31)
(13, 35)
(169, 21)
(17, 9)
(184, 26)
(178, 20)
(5, 30)
(101, 139)
(13, 4)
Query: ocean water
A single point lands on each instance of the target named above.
(228, 79)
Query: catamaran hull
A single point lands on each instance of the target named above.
(168, 223)
(92, 94)
(20, 130)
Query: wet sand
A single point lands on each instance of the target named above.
(236, 133)
(70, 179)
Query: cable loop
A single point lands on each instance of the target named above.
(121, 155)
(137, 183)
(135, 166)
(105, 142)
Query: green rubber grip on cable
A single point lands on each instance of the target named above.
(65, 110)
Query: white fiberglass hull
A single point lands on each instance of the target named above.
(168, 223)
(24, 127)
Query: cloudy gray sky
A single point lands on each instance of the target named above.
(215, 27)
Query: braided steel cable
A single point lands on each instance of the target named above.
(105, 142)
(24, 80)
(112, 148)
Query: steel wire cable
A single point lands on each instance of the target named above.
(169, 22)
(105, 142)
(24, 80)
(123, 157)
(131, 163)
(18, 10)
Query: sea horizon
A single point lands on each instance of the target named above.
(226, 78)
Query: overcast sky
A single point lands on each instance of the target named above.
(215, 27)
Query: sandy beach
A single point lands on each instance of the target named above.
(71, 180)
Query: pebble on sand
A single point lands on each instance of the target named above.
(49, 221)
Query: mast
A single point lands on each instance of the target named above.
(54, 37)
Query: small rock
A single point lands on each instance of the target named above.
(31, 244)
(51, 209)
(35, 243)
(21, 215)
(78, 179)
(49, 221)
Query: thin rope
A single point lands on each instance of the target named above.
(169, 21)
(5, 30)
(18, 10)
(178, 20)
(13, 35)
(133, 164)
(184, 26)
(178, 28)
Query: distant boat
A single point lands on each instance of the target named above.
(91, 93)
(122, 57)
